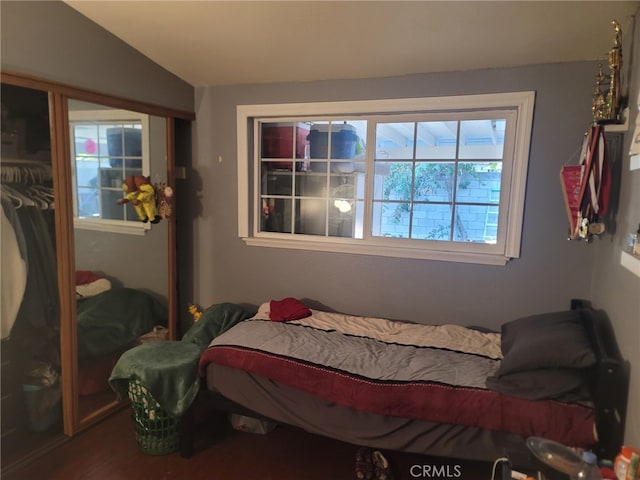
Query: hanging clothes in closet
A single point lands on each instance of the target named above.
(29, 282)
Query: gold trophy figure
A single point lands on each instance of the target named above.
(615, 63)
(599, 103)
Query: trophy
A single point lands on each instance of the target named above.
(606, 101)
(599, 103)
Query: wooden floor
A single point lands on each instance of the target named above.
(108, 451)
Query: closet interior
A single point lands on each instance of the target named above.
(31, 360)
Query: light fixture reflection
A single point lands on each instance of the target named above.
(342, 205)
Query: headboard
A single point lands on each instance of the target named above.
(610, 385)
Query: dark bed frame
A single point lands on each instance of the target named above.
(609, 385)
(610, 381)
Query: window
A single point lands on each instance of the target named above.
(439, 178)
(106, 147)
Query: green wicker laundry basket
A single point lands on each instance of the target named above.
(157, 432)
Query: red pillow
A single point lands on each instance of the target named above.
(84, 276)
(287, 309)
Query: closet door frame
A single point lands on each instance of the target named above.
(59, 95)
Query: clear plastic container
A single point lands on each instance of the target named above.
(588, 469)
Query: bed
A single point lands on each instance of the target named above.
(441, 390)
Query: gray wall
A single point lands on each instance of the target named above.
(49, 39)
(614, 288)
(549, 273)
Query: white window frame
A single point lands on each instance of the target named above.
(110, 115)
(512, 190)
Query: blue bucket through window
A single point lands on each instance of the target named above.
(343, 141)
(122, 143)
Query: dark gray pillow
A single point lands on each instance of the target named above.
(550, 340)
(565, 384)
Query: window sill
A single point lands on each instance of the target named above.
(619, 127)
(127, 228)
(379, 250)
(630, 262)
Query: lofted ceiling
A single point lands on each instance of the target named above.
(209, 43)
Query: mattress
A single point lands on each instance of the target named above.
(409, 372)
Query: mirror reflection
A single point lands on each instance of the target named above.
(119, 160)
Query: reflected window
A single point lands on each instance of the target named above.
(106, 147)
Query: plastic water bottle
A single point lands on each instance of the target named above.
(588, 469)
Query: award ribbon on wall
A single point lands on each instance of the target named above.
(586, 187)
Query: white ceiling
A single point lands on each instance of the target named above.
(239, 42)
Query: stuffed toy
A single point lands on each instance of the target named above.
(164, 197)
(139, 191)
(195, 312)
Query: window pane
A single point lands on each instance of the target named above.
(124, 142)
(431, 222)
(476, 223)
(341, 219)
(280, 165)
(341, 166)
(311, 215)
(87, 171)
(479, 182)
(110, 208)
(276, 183)
(437, 140)
(111, 178)
(358, 230)
(130, 213)
(338, 139)
(282, 139)
(276, 215)
(343, 186)
(132, 166)
(360, 130)
(342, 203)
(86, 140)
(482, 139)
(390, 219)
(395, 140)
(88, 206)
(319, 166)
(393, 181)
(433, 182)
(311, 185)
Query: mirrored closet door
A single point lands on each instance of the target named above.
(31, 357)
(88, 268)
(122, 275)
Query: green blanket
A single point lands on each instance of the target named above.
(215, 320)
(169, 370)
(114, 319)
